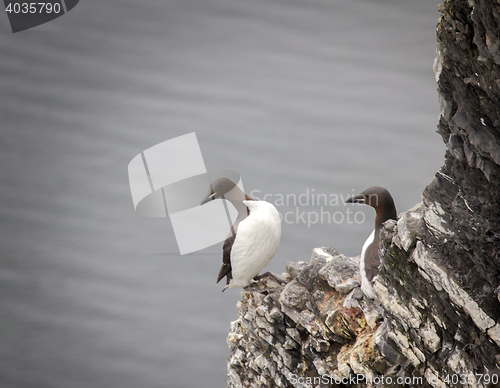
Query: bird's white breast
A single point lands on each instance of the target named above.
(366, 286)
(256, 242)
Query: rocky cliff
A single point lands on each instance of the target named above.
(436, 320)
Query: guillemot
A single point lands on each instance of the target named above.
(381, 200)
(253, 239)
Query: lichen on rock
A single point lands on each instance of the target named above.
(316, 331)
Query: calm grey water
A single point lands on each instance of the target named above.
(297, 96)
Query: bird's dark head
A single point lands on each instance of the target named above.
(217, 189)
(378, 198)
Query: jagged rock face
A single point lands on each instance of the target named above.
(435, 321)
(440, 269)
(467, 188)
(438, 287)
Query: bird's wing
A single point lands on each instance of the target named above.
(372, 259)
(225, 270)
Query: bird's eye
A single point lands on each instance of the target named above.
(219, 185)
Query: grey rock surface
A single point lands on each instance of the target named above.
(303, 329)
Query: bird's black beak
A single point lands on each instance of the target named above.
(208, 198)
(360, 198)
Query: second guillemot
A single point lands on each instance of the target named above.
(254, 236)
(381, 200)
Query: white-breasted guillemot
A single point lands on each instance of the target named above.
(254, 236)
(381, 200)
